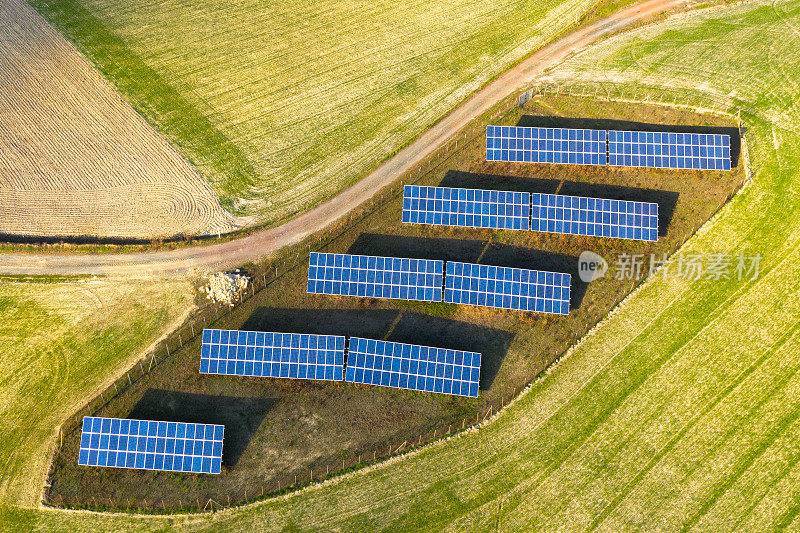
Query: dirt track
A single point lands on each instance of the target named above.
(230, 254)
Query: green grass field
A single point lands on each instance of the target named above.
(679, 412)
(281, 105)
(59, 339)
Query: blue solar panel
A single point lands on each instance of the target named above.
(151, 445)
(507, 288)
(409, 366)
(274, 355)
(546, 145)
(669, 150)
(375, 277)
(594, 217)
(470, 208)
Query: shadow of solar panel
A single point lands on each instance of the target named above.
(546, 145)
(469, 208)
(273, 355)
(669, 150)
(414, 367)
(594, 217)
(151, 445)
(507, 288)
(375, 277)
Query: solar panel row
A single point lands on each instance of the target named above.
(507, 288)
(553, 213)
(595, 217)
(151, 445)
(472, 208)
(546, 145)
(269, 354)
(471, 284)
(457, 367)
(625, 148)
(414, 367)
(375, 277)
(669, 150)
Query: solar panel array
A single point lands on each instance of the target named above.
(410, 366)
(471, 208)
(669, 150)
(151, 445)
(546, 145)
(375, 277)
(275, 355)
(507, 288)
(594, 216)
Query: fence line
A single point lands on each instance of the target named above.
(289, 259)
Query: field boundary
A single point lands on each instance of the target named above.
(295, 256)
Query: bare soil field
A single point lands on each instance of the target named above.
(75, 159)
(276, 429)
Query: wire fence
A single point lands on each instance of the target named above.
(297, 255)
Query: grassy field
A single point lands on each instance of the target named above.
(61, 338)
(679, 412)
(279, 429)
(281, 105)
(76, 159)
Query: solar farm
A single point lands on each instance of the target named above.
(447, 323)
(393, 332)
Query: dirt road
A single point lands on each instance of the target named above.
(230, 254)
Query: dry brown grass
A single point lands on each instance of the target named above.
(74, 158)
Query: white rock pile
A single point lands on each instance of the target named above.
(226, 287)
